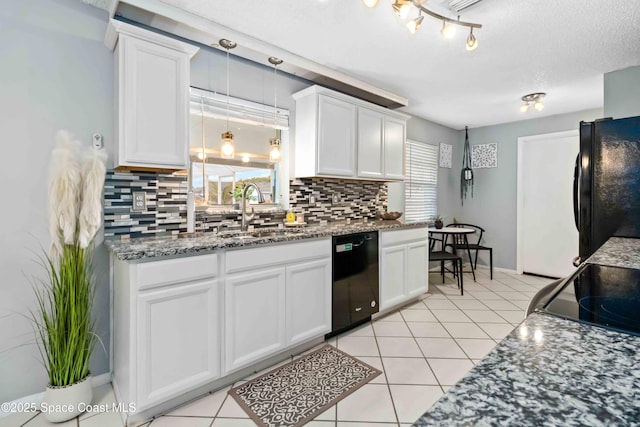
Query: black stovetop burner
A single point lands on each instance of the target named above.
(601, 295)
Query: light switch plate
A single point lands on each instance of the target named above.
(139, 201)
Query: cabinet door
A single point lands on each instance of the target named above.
(336, 137)
(308, 300)
(370, 144)
(255, 316)
(417, 266)
(153, 101)
(394, 139)
(178, 346)
(393, 267)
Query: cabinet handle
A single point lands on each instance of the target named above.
(358, 308)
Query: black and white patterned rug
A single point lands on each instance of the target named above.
(299, 391)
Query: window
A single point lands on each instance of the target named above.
(218, 181)
(421, 184)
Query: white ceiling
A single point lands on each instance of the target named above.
(559, 47)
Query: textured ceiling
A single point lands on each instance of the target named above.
(559, 47)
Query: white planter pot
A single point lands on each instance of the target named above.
(67, 402)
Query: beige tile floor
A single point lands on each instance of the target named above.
(423, 349)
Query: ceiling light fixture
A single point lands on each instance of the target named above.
(274, 143)
(228, 150)
(472, 42)
(532, 99)
(414, 24)
(403, 7)
(447, 30)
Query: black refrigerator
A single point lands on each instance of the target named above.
(607, 183)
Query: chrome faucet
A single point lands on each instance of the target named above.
(245, 217)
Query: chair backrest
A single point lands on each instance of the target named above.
(459, 239)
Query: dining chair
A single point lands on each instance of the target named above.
(458, 243)
(443, 256)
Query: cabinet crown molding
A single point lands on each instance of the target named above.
(115, 28)
(315, 89)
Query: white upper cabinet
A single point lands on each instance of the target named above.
(336, 137)
(151, 98)
(394, 138)
(344, 137)
(370, 144)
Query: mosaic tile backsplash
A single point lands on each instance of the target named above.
(166, 199)
(321, 200)
(337, 199)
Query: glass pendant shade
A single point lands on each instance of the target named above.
(524, 108)
(414, 24)
(538, 105)
(472, 42)
(370, 3)
(274, 152)
(448, 30)
(228, 150)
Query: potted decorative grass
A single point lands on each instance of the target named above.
(64, 326)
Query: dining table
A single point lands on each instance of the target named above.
(456, 232)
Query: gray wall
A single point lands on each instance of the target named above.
(622, 93)
(493, 205)
(55, 74)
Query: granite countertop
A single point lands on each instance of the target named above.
(618, 252)
(548, 371)
(148, 247)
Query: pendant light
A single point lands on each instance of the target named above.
(274, 143)
(472, 42)
(228, 150)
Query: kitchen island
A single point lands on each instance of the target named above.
(548, 371)
(553, 371)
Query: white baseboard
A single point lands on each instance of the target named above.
(36, 398)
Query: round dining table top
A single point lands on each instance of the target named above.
(452, 230)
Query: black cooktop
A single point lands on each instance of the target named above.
(601, 295)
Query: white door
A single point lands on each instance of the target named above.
(254, 316)
(179, 340)
(549, 238)
(336, 137)
(308, 300)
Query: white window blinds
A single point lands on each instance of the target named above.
(421, 181)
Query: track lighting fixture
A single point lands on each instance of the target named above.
(472, 42)
(447, 30)
(532, 99)
(403, 7)
(415, 23)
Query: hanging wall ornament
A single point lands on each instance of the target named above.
(466, 176)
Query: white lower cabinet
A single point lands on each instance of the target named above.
(404, 260)
(393, 262)
(255, 316)
(279, 297)
(178, 339)
(308, 301)
(181, 323)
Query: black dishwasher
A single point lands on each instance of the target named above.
(355, 280)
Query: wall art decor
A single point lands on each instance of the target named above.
(446, 152)
(485, 155)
